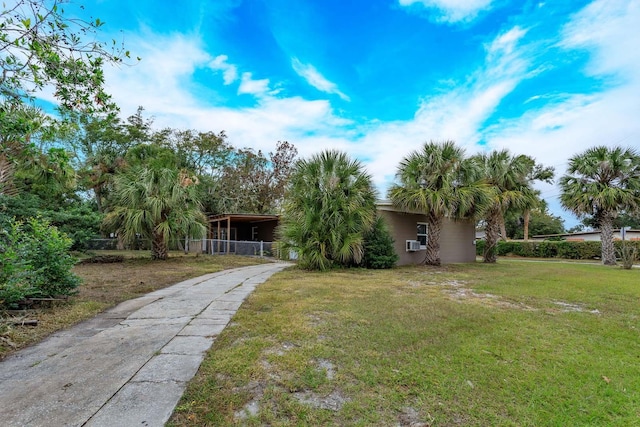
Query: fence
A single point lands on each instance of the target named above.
(207, 246)
(236, 247)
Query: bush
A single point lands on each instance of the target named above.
(554, 249)
(379, 252)
(35, 262)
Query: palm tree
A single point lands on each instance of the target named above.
(328, 207)
(439, 182)
(158, 203)
(508, 178)
(601, 182)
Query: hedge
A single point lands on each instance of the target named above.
(552, 249)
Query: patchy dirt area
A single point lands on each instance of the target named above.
(332, 401)
(459, 290)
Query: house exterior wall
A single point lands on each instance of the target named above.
(457, 242)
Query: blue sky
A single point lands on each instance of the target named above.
(378, 78)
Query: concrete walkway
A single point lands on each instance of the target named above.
(128, 366)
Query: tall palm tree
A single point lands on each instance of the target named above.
(328, 207)
(158, 203)
(508, 177)
(438, 181)
(601, 182)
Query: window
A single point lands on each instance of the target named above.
(422, 234)
(254, 234)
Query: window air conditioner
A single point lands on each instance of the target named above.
(413, 245)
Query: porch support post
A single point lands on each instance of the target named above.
(218, 237)
(228, 235)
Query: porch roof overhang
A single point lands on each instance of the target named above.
(248, 218)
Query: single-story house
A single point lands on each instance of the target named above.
(409, 230)
(586, 236)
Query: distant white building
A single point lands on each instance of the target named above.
(585, 236)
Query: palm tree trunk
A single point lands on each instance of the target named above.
(433, 241)
(503, 227)
(159, 248)
(527, 217)
(492, 231)
(606, 239)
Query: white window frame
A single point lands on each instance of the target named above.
(425, 234)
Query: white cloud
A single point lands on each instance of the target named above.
(452, 11)
(315, 79)
(253, 87)
(608, 29)
(229, 71)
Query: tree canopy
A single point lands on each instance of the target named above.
(41, 46)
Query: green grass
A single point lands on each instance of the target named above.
(512, 344)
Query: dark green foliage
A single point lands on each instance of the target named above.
(553, 249)
(77, 219)
(379, 252)
(34, 262)
(329, 206)
(540, 222)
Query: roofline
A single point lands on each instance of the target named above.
(581, 233)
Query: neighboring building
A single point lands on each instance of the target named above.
(409, 230)
(586, 236)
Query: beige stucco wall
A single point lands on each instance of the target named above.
(457, 240)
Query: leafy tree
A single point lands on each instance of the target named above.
(379, 252)
(541, 222)
(536, 172)
(206, 153)
(100, 142)
(439, 182)
(600, 183)
(328, 208)
(509, 179)
(158, 202)
(623, 219)
(40, 46)
(78, 219)
(253, 183)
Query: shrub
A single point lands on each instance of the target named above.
(558, 249)
(379, 252)
(35, 262)
(628, 253)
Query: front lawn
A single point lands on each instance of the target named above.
(512, 344)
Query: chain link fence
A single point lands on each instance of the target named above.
(207, 246)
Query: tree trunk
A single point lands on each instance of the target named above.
(433, 241)
(503, 227)
(606, 240)
(527, 217)
(159, 248)
(492, 231)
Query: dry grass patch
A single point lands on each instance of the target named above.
(107, 284)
